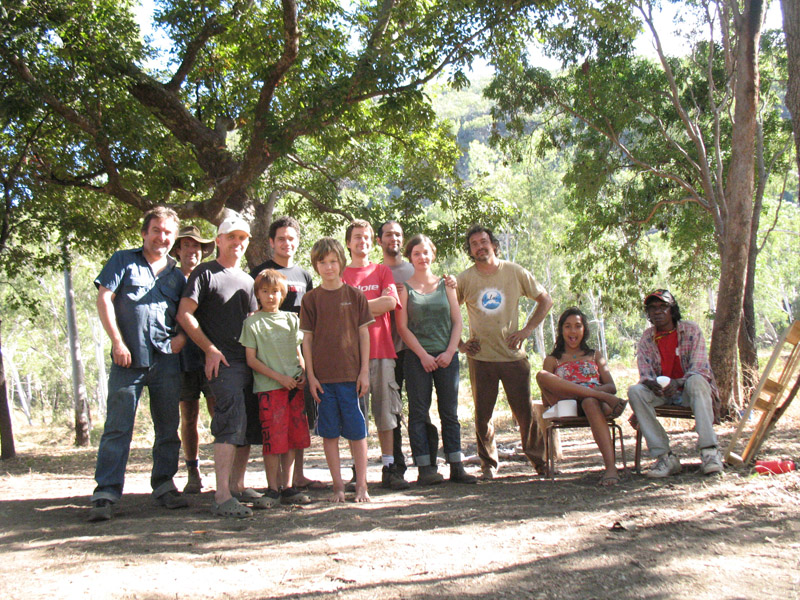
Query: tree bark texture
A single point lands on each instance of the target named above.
(80, 400)
(735, 241)
(791, 31)
(7, 449)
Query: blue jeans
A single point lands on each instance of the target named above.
(419, 386)
(125, 386)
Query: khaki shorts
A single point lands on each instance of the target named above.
(385, 393)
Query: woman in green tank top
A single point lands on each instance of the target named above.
(430, 325)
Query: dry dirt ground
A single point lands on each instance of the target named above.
(733, 536)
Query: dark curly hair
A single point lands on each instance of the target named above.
(558, 348)
(480, 229)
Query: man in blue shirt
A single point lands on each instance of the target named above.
(137, 301)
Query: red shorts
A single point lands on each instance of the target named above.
(284, 425)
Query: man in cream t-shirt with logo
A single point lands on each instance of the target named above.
(491, 289)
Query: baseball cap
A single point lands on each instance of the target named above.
(664, 295)
(233, 224)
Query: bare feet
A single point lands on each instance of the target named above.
(337, 496)
(362, 495)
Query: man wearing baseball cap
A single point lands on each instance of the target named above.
(674, 369)
(190, 249)
(217, 299)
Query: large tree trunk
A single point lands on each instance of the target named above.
(7, 449)
(735, 241)
(748, 353)
(791, 30)
(80, 400)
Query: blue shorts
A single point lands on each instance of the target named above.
(339, 413)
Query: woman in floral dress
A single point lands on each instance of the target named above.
(573, 370)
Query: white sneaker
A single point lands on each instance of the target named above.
(551, 413)
(666, 465)
(712, 461)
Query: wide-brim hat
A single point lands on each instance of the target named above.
(664, 295)
(193, 232)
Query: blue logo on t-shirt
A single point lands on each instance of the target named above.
(491, 300)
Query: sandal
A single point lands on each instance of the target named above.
(246, 495)
(618, 409)
(270, 499)
(608, 480)
(292, 495)
(313, 484)
(231, 508)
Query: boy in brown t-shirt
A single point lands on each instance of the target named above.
(334, 318)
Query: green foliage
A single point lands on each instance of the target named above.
(645, 159)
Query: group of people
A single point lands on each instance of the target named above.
(276, 358)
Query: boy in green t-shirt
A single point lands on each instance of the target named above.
(272, 339)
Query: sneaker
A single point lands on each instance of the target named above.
(391, 479)
(194, 483)
(101, 510)
(292, 495)
(666, 465)
(712, 461)
(172, 499)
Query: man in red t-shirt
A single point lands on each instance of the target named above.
(377, 283)
(674, 369)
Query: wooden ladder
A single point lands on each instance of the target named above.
(771, 397)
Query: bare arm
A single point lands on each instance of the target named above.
(188, 321)
(543, 305)
(362, 384)
(120, 353)
(382, 305)
(313, 383)
(606, 380)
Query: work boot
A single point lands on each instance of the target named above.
(172, 499)
(194, 484)
(459, 475)
(428, 475)
(391, 479)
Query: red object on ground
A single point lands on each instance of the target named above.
(774, 467)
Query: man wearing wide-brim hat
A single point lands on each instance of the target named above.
(189, 233)
(190, 249)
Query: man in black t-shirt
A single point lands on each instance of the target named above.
(217, 299)
(284, 239)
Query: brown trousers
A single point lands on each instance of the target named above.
(516, 377)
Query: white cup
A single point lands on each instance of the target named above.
(663, 380)
(567, 408)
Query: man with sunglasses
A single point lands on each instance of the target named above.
(674, 369)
